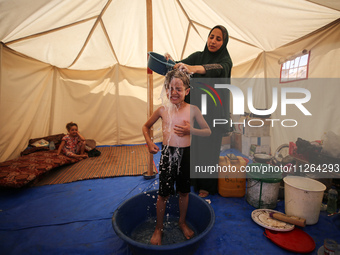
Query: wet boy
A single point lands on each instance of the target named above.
(175, 160)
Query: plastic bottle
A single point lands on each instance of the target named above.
(52, 145)
(332, 200)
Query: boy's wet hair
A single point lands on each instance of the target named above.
(176, 73)
(70, 124)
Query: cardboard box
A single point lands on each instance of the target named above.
(249, 145)
(239, 124)
(253, 144)
(226, 140)
(257, 127)
(237, 141)
(251, 126)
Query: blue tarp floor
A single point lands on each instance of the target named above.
(75, 218)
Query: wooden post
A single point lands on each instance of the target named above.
(149, 72)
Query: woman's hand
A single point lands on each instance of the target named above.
(168, 56)
(185, 68)
(182, 130)
(190, 69)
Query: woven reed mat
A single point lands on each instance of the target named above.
(113, 162)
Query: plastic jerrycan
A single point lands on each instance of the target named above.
(231, 181)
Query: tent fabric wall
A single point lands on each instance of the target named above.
(87, 34)
(323, 84)
(37, 99)
(25, 101)
(85, 61)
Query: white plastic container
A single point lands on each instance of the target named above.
(303, 198)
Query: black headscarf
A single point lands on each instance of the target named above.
(210, 60)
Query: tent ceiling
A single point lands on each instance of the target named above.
(96, 34)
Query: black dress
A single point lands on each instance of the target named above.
(206, 150)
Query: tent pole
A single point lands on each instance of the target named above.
(150, 75)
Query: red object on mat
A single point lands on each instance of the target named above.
(296, 240)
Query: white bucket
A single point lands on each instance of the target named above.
(303, 198)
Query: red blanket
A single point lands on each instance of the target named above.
(19, 172)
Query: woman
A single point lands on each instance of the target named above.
(213, 62)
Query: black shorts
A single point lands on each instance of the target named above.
(174, 167)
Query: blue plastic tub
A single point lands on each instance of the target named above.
(158, 63)
(139, 208)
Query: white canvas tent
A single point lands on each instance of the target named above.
(85, 61)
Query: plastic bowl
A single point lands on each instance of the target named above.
(262, 158)
(158, 63)
(141, 207)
